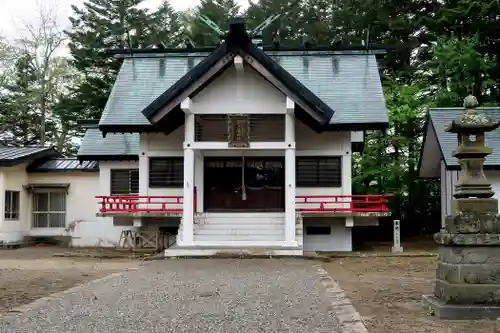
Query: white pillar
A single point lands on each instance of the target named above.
(143, 165)
(188, 196)
(346, 170)
(290, 213)
(2, 203)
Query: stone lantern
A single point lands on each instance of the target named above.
(470, 128)
(468, 272)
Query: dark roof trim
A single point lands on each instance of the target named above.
(325, 113)
(187, 80)
(105, 129)
(485, 167)
(58, 165)
(373, 126)
(49, 152)
(31, 170)
(89, 123)
(270, 48)
(108, 157)
(32, 187)
(237, 40)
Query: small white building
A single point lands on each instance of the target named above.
(234, 150)
(437, 160)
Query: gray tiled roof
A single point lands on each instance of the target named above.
(116, 144)
(348, 83)
(17, 153)
(442, 117)
(65, 164)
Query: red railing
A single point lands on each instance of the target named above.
(342, 203)
(304, 203)
(144, 204)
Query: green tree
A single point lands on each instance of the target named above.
(457, 69)
(97, 27)
(166, 26)
(288, 27)
(19, 116)
(467, 52)
(218, 11)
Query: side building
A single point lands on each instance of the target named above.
(437, 160)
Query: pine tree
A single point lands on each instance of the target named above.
(219, 11)
(19, 118)
(167, 28)
(97, 27)
(289, 27)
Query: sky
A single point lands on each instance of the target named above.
(14, 13)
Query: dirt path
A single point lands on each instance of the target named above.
(387, 293)
(30, 273)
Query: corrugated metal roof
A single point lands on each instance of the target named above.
(348, 83)
(115, 144)
(17, 153)
(442, 117)
(65, 164)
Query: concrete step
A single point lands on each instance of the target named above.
(231, 251)
(238, 238)
(209, 230)
(225, 221)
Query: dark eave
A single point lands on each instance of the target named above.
(325, 113)
(50, 165)
(172, 121)
(108, 157)
(187, 80)
(127, 128)
(47, 153)
(379, 126)
(379, 48)
(236, 41)
(88, 123)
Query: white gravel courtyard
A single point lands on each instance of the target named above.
(197, 295)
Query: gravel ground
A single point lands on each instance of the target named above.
(30, 273)
(214, 295)
(387, 293)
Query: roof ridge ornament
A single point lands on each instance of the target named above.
(240, 21)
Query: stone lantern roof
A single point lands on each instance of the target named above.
(472, 121)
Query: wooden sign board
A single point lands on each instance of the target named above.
(238, 131)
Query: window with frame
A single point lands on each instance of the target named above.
(166, 172)
(12, 205)
(124, 181)
(49, 209)
(325, 171)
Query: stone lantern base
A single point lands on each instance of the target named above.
(467, 277)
